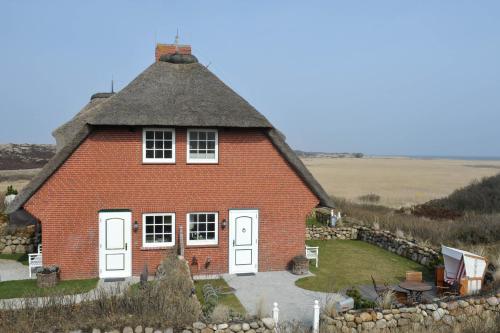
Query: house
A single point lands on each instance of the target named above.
(176, 159)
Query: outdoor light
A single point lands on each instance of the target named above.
(207, 263)
(136, 226)
(223, 223)
(194, 261)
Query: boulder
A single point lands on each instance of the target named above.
(199, 325)
(493, 301)
(7, 250)
(268, 323)
(20, 249)
(235, 328)
(365, 316)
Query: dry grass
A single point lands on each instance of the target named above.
(166, 302)
(398, 181)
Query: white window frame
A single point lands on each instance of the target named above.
(162, 244)
(203, 160)
(157, 160)
(204, 241)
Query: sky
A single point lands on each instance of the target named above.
(377, 77)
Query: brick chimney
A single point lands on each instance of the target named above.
(162, 49)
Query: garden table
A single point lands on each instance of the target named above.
(415, 290)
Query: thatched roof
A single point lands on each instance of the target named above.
(171, 92)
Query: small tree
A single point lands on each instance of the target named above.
(11, 190)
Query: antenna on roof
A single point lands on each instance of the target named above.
(176, 42)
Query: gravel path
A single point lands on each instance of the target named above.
(268, 287)
(13, 270)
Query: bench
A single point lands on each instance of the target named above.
(35, 260)
(312, 253)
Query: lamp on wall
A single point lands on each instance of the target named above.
(136, 226)
(223, 224)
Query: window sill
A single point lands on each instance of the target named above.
(157, 248)
(158, 162)
(195, 246)
(202, 162)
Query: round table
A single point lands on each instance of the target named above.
(415, 290)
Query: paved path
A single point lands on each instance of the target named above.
(268, 287)
(13, 270)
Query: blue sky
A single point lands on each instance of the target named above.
(378, 77)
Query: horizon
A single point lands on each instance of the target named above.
(381, 79)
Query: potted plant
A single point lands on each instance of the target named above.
(300, 265)
(47, 276)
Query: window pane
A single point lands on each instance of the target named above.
(211, 155)
(149, 229)
(149, 219)
(158, 238)
(202, 227)
(203, 145)
(193, 135)
(202, 136)
(158, 219)
(211, 135)
(158, 135)
(211, 226)
(210, 235)
(211, 217)
(167, 229)
(149, 238)
(211, 144)
(168, 238)
(150, 153)
(149, 144)
(158, 229)
(158, 153)
(167, 154)
(167, 144)
(149, 135)
(159, 144)
(167, 135)
(202, 217)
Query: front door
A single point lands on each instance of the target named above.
(243, 241)
(114, 244)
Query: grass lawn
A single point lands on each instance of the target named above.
(230, 300)
(22, 258)
(28, 288)
(346, 263)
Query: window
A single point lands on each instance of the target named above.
(202, 228)
(158, 230)
(202, 146)
(158, 145)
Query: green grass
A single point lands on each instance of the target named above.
(22, 258)
(346, 263)
(230, 300)
(28, 288)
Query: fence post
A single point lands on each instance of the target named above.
(276, 313)
(316, 317)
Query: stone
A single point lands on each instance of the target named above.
(379, 315)
(138, 329)
(463, 304)
(443, 305)
(150, 330)
(128, 329)
(268, 323)
(224, 326)
(16, 242)
(157, 331)
(368, 325)
(76, 331)
(403, 322)
(438, 314)
(207, 330)
(448, 320)
(7, 250)
(235, 328)
(365, 316)
(245, 327)
(96, 330)
(168, 330)
(251, 331)
(392, 323)
(381, 323)
(493, 301)
(388, 316)
(349, 317)
(199, 325)
(432, 307)
(452, 306)
(254, 325)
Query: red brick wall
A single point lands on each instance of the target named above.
(106, 172)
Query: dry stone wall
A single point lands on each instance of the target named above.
(428, 316)
(407, 248)
(21, 241)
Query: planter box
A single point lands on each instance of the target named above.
(300, 265)
(47, 280)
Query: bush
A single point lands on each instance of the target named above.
(220, 314)
(359, 301)
(10, 190)
(371, 197)
(165, 302)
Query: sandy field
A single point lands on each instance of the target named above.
(398, 181)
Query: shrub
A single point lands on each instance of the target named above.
(371, 197)
(386, 300)
(359, 301)
(165, 302)
(10, 190)
(220, 314)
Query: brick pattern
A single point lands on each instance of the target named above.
(162, 49)
(106, 172)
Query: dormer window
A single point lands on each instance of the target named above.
(158, 145)
(202, 146)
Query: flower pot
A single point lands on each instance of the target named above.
(300, 265)
(47, 277)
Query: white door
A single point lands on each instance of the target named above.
(243, 241)
(115, 244)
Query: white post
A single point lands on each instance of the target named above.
(316, 317)
(276, 313)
